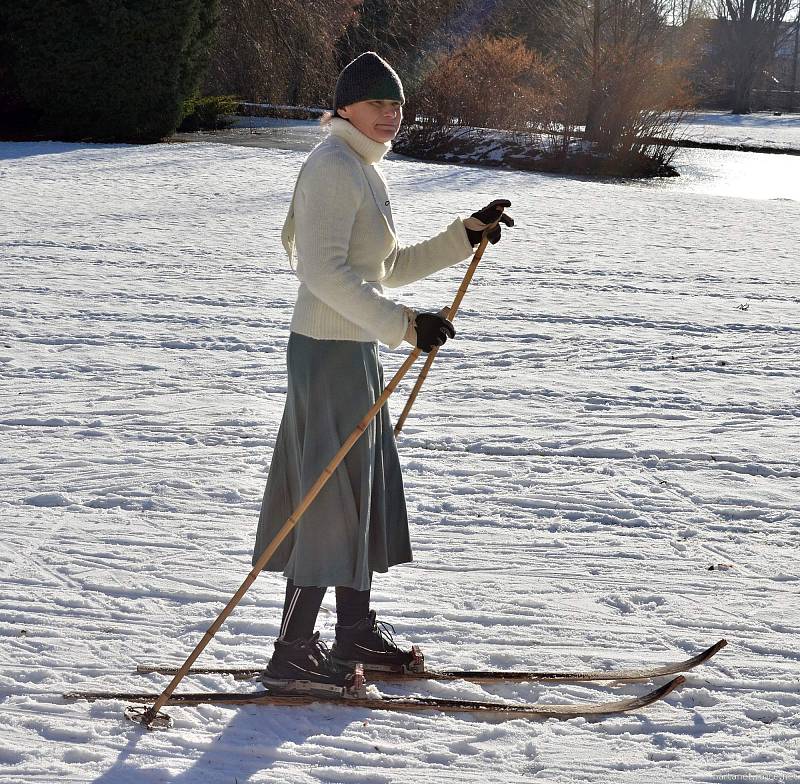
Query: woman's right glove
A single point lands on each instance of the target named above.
(431, 330)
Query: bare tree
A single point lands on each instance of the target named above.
(617, 38)
(682, 12)
(633, 90)
(544, 25)
(752, 32)
(403, 31)
(795, 57)
(279, 50)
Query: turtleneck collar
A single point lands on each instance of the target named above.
(369, 150)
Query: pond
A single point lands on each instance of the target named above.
(736, 174)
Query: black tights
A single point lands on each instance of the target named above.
(302, 603)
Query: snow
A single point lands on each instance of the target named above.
(759, 129)
(601, 470)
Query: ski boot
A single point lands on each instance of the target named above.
(371, 642)
(305, 667)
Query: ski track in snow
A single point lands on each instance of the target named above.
(618, 414)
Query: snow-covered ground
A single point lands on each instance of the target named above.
(601, 469)
(760, 129)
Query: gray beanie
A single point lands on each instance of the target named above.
(367, 78)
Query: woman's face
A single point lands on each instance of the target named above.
(380, 120)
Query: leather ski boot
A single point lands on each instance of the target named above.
(371, 643)
(305, 666)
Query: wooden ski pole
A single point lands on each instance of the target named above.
(150, 715)
(423, 374)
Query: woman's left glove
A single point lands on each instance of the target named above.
(479, 220)
(427, 331)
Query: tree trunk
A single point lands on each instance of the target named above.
(595, 97)
(294, 86)
(790, 104)
(742, 93)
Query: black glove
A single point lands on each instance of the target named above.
(432, 330)
(479, 220)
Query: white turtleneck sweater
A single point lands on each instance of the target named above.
(340, 232)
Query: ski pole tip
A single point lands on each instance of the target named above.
(159, 721)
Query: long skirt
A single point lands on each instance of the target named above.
(358, 523)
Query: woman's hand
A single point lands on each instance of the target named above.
(479, 220)
(430, 330)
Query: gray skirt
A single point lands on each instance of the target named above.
(358, 523)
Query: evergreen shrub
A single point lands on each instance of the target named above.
(108, 70)
(210, 113)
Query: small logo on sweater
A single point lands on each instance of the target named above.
(387, 203)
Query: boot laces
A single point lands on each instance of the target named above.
(385, 632)
(319, 652)
(326, 661)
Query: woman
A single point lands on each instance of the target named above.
(340, 232)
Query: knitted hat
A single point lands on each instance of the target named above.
(368, 78)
